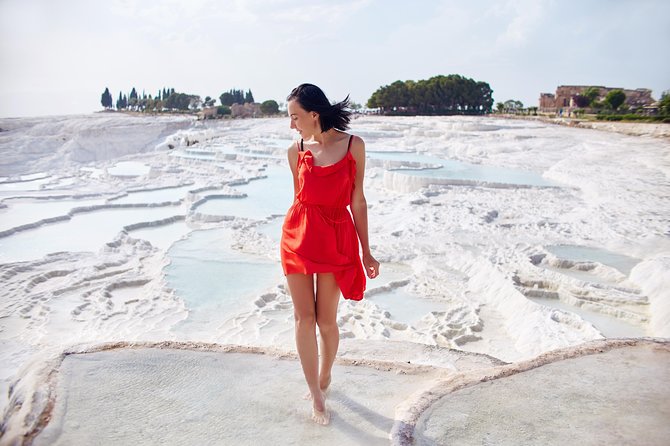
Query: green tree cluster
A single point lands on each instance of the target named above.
(122, 102)
(182, 101)
(615, 98)
(439, 95)
(223, 110)
(591, 98)
(512, 106)
(106, 99)
(209, 101)
(270, 107)
(581, 101)
(234, 96)
(664, 103)
(591, 94)
(167, 99)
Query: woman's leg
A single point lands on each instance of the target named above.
(301, 287)
(327, 299)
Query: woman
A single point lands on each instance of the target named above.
(320, 242)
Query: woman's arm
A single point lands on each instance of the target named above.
(293, 164)
(359, 208)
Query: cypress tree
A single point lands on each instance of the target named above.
(106, 99)
(249, 97)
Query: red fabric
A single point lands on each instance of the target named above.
(318, 235)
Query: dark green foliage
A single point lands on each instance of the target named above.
(226, 99)
(106, 99)
(581, 101)
(132, 98)
(592, 94)
(181, 101)
(664, 103)
(270, 107)
(615, 98)
(236, 97)
(209, 101)
(513, 106)
(167, 99)
(439, 95)
(122, 102)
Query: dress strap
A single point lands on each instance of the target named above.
(302, 148)
(351, 138)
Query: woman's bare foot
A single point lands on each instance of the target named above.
(320, 413)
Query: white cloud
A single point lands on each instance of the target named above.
(526, 20)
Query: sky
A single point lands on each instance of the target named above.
(57, 57)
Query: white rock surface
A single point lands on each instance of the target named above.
(474, 251)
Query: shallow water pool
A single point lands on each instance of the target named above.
(23, 211)
(214, 280)
(265, 197)
(609, 326)
(156, 196)
(162, 236)
(129, 169)
(84, 232)
(404, 306)
(576, 253)
(459, 170)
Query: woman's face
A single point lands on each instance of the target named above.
(304, 122)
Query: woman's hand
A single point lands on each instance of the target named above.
(371, 266)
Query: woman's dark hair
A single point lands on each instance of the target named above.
(311, 98)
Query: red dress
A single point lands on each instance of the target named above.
(318, 235)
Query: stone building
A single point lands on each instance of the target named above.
(248, 110)
(563, 99)
(208, 113)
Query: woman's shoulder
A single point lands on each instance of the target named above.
(292, 152)
(357, 144)
(294, 147)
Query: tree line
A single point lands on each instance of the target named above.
(439, 95)
(167, 99)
